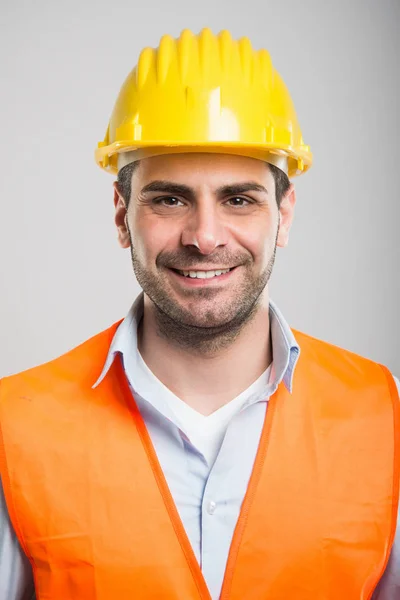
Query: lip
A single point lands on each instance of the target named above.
(194, 282)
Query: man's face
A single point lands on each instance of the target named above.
(203, 230)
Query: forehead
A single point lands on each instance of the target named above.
(196, 169)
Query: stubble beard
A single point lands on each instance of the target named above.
(212, 332)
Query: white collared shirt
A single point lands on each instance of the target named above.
(204, 433)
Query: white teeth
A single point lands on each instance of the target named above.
(204, 274)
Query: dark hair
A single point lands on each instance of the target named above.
(282, 182)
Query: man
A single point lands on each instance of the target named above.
(201, 448)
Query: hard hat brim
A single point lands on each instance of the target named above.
(113, 157)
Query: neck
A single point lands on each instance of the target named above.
(211, 374)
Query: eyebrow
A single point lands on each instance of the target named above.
(179, 189)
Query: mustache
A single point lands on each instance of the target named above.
(186, 258)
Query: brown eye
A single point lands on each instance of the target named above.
(238, 202)
(169, 201)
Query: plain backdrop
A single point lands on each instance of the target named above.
(63, 275)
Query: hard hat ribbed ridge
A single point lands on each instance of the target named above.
(246, 59)
(145, 66)
(185, 46)
(203, 57)
(166, 58)
(225, 49)
(208, 55)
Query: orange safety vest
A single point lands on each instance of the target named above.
(93, 512)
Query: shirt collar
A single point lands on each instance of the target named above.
(285, 349)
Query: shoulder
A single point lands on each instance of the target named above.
(77, 364)
(341, 362)
(311, 342)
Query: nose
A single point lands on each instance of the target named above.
(204, 228)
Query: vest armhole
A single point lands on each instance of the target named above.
(395, 398)
(7, 488)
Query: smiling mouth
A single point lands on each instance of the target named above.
(202, 274)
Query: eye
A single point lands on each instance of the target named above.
(238, 202)
(169, 201)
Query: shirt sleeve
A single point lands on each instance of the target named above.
(389, 586)
(16, 578)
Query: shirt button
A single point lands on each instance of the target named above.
(211, 506)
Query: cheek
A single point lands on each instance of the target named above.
(259, 240)
(152, 236)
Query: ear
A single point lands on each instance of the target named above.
(286, 212)
(120, 218)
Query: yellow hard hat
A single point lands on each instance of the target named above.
(204, 93)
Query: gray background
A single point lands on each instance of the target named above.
(63, 276)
